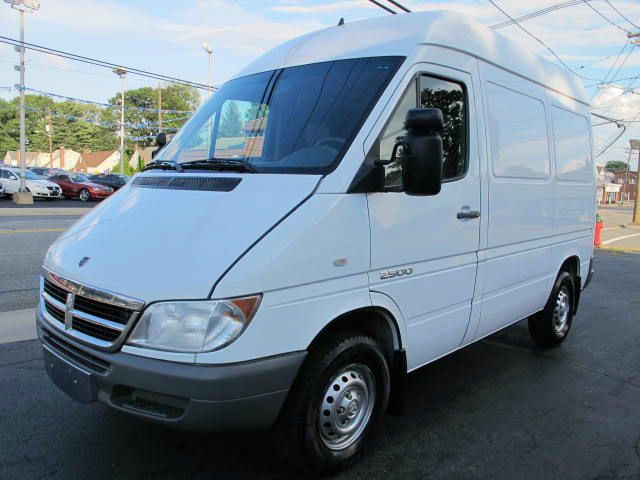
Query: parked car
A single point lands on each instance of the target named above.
(38, 186)
(75, 185)
(413, 184)
(49, 172)
(112, 180)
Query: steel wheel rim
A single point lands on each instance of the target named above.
(561, 312)
(347, 405)
(84, 195)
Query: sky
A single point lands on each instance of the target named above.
(166, 37)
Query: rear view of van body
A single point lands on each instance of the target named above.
(354, 205)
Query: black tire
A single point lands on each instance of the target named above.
(548, 328)
(300, 434)
(84, 195)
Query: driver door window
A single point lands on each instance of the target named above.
(430, 92)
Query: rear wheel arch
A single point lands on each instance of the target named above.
(572, 266)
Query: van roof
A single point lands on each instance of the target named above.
(393, 35)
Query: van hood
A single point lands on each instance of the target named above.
(160, 243)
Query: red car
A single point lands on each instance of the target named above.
(74, 185)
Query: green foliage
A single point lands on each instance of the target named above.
(615, 166)
(231, 121)
(71, 121)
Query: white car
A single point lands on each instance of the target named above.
(39, 187)
(352, 206)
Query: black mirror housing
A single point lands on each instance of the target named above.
(161, 139)
(422, 158)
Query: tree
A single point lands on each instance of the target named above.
(231, 121)
(615, 166)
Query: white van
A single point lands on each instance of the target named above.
(355, 204)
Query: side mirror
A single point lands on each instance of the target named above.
(161, 140)
(422, 156)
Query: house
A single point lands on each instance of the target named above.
(608, 192)
(629, 182)
(33, 159)
(61, 158)
(141, 157)
(97, 162)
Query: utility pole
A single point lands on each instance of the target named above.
(22, 196)
(122, 73)
(48, 129)
(159, 107)
(636, 206)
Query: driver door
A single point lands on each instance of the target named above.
(423, 255)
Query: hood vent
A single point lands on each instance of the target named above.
(205, 184)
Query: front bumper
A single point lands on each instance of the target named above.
(47, 194)
(239, 396)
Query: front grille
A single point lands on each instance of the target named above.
(94, 330)
(55, 291)
(73, 353)
(54, 312)
(92, 321)
(53, 188)
(103, 310)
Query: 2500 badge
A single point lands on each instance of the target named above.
(400, 272)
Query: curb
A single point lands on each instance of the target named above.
(617, 250)
(53, 212)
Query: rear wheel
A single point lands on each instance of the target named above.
(335, 404)
(550, 327)
(84, 195)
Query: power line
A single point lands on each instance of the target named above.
(100, 63)
(536, 13)
(399, 5)
(607, 19)
(556, 56)
(621, 14)
(375, 2)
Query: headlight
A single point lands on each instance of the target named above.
(193, 327)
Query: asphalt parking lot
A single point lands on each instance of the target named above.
(499, 409)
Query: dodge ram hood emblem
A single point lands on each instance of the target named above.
(83, 262)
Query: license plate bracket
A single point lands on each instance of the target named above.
(75, 382)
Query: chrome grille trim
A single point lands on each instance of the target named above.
(113, 333)
(96, 294)
(99, 321)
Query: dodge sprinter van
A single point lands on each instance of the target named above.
(354, 205)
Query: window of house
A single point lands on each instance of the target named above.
(430, 92)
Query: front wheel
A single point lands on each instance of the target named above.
(84, 195)
(335, 404)
(550, 327)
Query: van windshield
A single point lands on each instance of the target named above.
(292, 120)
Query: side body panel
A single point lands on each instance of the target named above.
(535, 220)
(311, 269)
(422, 235)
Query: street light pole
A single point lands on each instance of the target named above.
(23, 146)
(121, 72)
(207, 48)
(22, 6)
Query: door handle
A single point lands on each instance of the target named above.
(466, 214)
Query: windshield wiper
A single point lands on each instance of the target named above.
(163, 165)
(238, 164)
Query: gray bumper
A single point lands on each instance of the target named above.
(247, 395)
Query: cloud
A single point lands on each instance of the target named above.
(321, 8)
